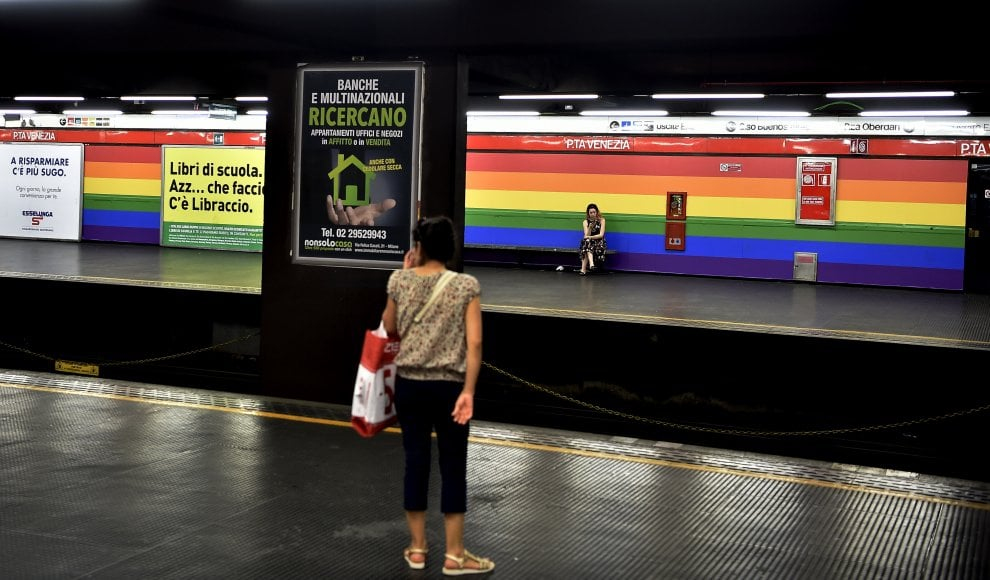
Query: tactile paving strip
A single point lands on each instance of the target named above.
(874, 478)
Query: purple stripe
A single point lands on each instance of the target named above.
(118, 234)
(833, 273)
(674, 263)
(934, 278)
(519, 257)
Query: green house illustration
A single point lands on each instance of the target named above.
(351, 181)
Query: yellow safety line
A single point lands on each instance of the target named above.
(740, 472)
(694, 322)
(135, 282)
(181, 404)
(535, 447)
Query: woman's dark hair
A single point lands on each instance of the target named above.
(592, 206)
(436, 237)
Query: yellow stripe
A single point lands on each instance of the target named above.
(935, 214)
(115, 186)
(630, 203)
(700, 206)
(639, 184)
(927, 214)
(932, 214)
(740, 207)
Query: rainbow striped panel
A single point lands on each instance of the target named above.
(899, 222)
(122, 188)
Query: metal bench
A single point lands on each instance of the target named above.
(521, 255)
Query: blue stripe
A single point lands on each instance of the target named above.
(125, 219)
(830, 252)
(740, 248)
(522, 237)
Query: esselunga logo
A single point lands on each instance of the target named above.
(36, 215)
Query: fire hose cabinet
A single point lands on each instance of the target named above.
(675, 234)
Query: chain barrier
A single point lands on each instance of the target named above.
(580, 403)
(26, 351)
(681, 426)
(143, 360)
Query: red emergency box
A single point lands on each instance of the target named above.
(675, 234)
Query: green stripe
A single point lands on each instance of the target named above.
(122, 203)
(558, 220)
(859, 233)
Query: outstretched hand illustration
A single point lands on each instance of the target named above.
(362, 215)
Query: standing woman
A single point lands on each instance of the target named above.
(592, 251)
(438, 365)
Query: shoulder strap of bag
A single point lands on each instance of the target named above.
(446, 277)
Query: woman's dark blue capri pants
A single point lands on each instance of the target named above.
(422, 407)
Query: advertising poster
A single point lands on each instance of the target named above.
(41, 191)
(816, 191)
(213, 197)
(357, 163)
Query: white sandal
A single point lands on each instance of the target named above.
(484, 565)
(412, 563)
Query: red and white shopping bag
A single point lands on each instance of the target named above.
(373, 408)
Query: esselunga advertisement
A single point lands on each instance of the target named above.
(357, 163)
(41, 191)
(213, 197)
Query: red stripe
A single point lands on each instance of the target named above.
(931, 147)
(124, 154)
(134, 137)
(625, 144)
(917, 147)
(184, 137)
(244, 139)
(597, 163)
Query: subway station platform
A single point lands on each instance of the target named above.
(893, 315)
(107, 478)
(111, 479)
(877, 371)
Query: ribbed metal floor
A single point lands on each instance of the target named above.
(106, 479)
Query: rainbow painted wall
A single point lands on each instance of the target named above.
(122, 193)
(122, 176)
(899, 221)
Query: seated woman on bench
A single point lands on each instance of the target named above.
(592, 251)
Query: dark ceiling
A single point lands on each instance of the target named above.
(222, 48)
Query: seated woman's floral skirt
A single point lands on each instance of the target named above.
(597, 249)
